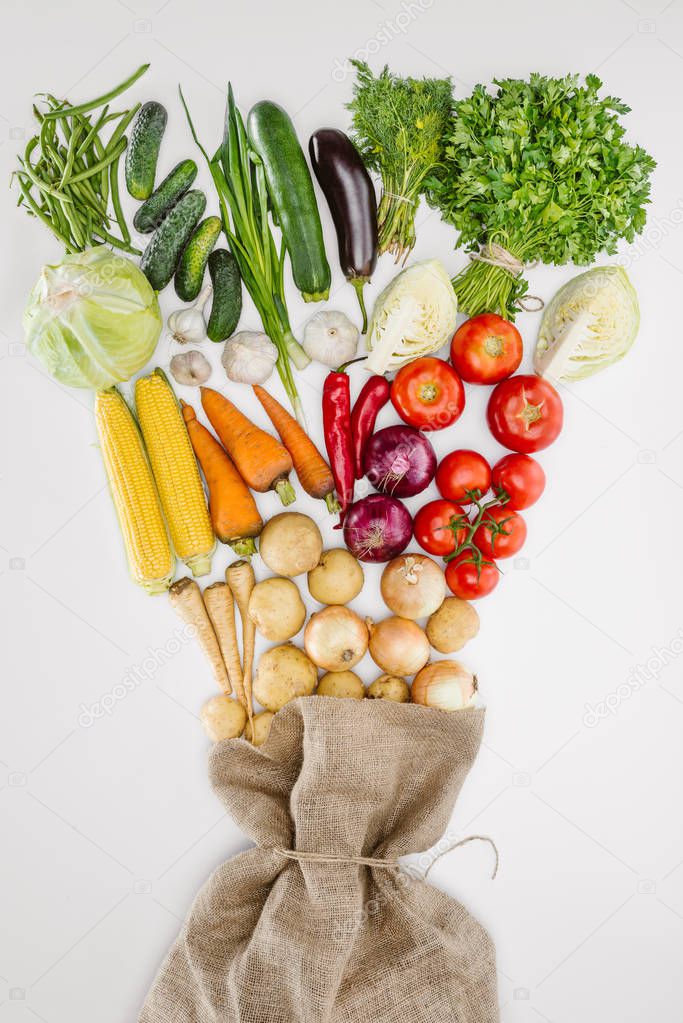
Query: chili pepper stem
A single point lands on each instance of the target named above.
(333, 505)
(358, 284)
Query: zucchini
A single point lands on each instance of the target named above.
(273, 139)
(143, 149)
(160, 258)
(171, 189)
(226, 306)
(190, 272)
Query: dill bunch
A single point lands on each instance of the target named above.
(400, 126)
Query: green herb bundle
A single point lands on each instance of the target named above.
(400, 125)
(541, 169)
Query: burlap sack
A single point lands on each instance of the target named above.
(275, 940)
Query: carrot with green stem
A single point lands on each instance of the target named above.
(234, 515)
(313, 471)
(262, 461)
(240, 578)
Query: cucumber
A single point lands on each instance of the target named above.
(171, 189)
(160, 258)
(143, 149)
(190, 272)
(226, 306)
(273, 139)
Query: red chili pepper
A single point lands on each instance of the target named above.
(371, 400)
(337, 429)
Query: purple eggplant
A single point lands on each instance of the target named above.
(350, 195)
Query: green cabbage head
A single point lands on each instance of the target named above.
(93, 320)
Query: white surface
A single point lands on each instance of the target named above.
(108, 831)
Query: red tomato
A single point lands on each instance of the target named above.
(521, 478)
(430, 527)
(486, 349)
(525, 413)
(428, 394)
(505, 543)
(462, 471)
(468, 581)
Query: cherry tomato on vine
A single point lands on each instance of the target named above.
(469, 581)
(486, 349)
(521, 478)
(501, 534)
(428, 394)
(461, 471)
(430, 527)
(525, 413)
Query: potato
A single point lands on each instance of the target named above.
(261, 729)
(389, 687)
(276, 609)
(223, 718)
(337, 578)
(341, 683)
(283, 673)
(290, 544)
(449, 628)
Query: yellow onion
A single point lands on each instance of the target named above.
(398, 646)
(445, 685)
(413, 586)
(335, 638)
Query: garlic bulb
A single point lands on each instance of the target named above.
(190, 368)
(249, 357)
(330, 338)
(187, 325)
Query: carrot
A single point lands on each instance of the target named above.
(263, 463)
(234, 515)
(240, 578)
(311, 468)
(220, 605)
(186, 599)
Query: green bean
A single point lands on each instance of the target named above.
(93, 130)
(116, 199)
(42, 186)
(83, 108)
(36, 210)
(121, 127)
(70, 154)
(101, 164)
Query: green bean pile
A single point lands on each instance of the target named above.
(68, 175)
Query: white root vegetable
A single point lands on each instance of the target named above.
(240, 578)
(249, 357)
(221, 609)
(283, 673)
(445, 685)
(449, 628)
(344, 684)
(389, 687)
(290, 544)
(398, 646)
(337, 578)
(223, 718)
(413, 586)
(186, 600)
(276, 609)
(335, 638)
(258, 729)
(190, 368)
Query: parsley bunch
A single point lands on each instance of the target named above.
(540, 168)
(400, 126)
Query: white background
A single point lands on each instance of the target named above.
(108, 831)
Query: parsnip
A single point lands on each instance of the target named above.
(240, 578)
(221, 607)
(186, 600)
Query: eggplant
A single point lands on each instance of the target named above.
(350, 195)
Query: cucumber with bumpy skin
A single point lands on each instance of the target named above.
(190, 272)
(160, 258)
(171, 189)
(143, 149)
(290, 188)
(226, 306)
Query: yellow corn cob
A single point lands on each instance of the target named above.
(135, 497)
(175, 471)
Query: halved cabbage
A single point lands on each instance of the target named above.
(415, 315)
(93, 320)
(590, 323)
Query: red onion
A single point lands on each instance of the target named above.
(399, 461)
(377, 528)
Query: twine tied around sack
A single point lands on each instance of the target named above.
(385, 864)
(494, 254)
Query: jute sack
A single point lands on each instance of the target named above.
(276, 937)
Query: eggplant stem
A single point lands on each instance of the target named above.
(358, 284)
